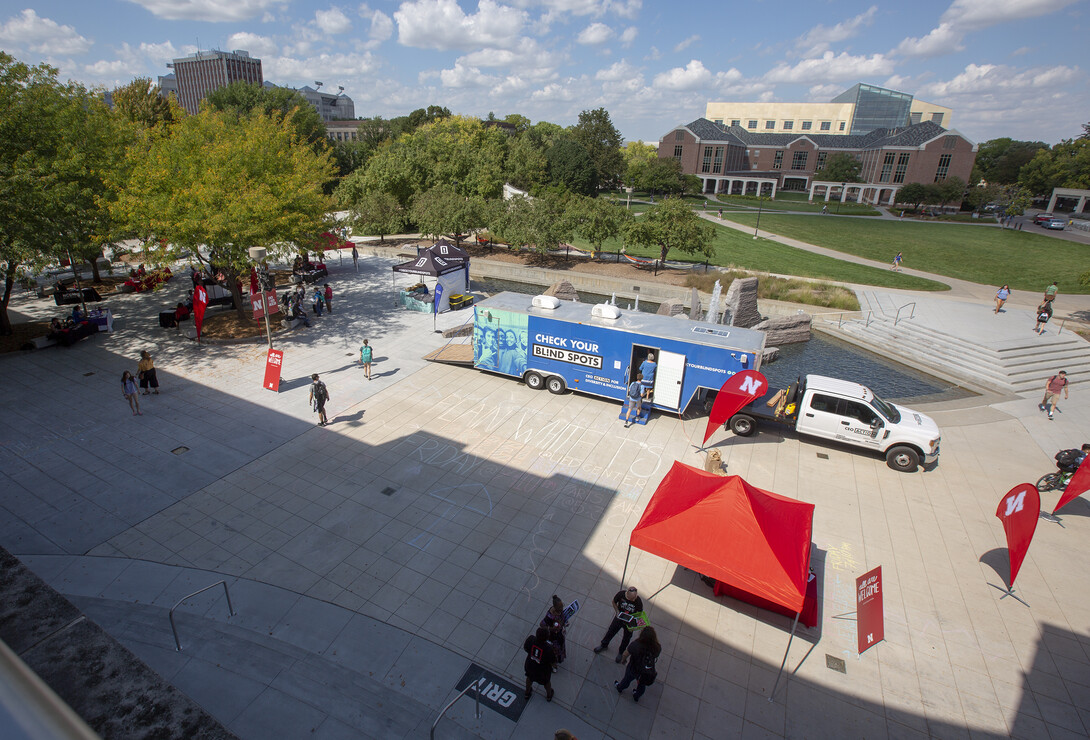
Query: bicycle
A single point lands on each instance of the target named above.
(1056, 481)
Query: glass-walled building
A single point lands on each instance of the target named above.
(875, 108)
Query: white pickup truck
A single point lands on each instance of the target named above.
(849, 413)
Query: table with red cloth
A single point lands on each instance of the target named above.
(148, 281)
(808, 616)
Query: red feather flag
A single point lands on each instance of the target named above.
(740, 389)
(1019, 510)
(1079, 484)
(200, 302)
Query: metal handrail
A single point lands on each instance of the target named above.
(897, 317)
(476, 685)
(174, 628)
(840, 316)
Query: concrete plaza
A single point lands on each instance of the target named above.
(371, 562)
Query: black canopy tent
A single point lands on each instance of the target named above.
(429, 264)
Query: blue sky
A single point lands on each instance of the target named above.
(1007, 67)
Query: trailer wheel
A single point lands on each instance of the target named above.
(902, 458)
(555, 384)
(534, 381)
(742, 425)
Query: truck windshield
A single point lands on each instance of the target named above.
(888, 409)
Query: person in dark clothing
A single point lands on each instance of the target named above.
(539, 663)
(625, 603)
(555, 623)
(642, 654)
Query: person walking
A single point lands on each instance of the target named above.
(128, 389)
(1044, 313)
(318, 301)
(365, 359)
(539, 663)
(897, 262)
(647, 369)
(825, 210)
(625, 604)
(1001, 297)
(1050, 292)
(328, 299)
(642, 655)
(319, 394)
(635, 399)
(1053, 386)
(145, 370)
(355, 258)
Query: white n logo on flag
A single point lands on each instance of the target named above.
(1015, 503)
(752, 386)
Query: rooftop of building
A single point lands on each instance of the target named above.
(913, 135)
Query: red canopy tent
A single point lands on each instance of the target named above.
(754, 541)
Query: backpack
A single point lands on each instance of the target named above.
(320, 393)
(1068, 459)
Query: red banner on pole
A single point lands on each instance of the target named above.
(200, 302)
(253, 281)
(257, 305)
(870, 619)
(740, 389)
(1078, 485)
(273, 363)
(1019, 510)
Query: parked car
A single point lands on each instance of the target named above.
(1040, 218)
(1055, 223)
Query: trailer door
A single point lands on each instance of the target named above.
(668, 380)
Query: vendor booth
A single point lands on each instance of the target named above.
(451, 275)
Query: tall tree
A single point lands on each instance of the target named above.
(999, 160)
(373, 214)
(571, 167)
(842, 167)
(597, 134)
(441, 210)
(951, 190)
(140, 102)
(542, 223)
(224, 183)
(1066, 165)
(242, 98)
(597, 220)
(671, 225)
(526, 165)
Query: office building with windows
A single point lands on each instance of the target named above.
(199, 74)
(858, 110)
(737, 161)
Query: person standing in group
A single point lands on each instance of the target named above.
(328, 299)
(635, 399)
(365, 359)
(647, 369)
(555, 623)
(128, 389)
(642, 654)
(625, 603)
(1050, 292)
(146, 372)
(1053, 386)
(1044, 313)
(539, 663)
(318, 301)
(1001, 297)
(355, 258)
(319, 394)
(897, 262)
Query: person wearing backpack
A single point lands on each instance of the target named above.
(642, 655)
(319, 394)
(1069, 461)
(1053, 386)
(540, 657)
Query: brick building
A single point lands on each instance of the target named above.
(199, 74)
(733, 160)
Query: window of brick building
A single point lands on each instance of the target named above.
(770, 125)
(735, 122)
(706, 160)
(717, 163)
(777, 162)
(902, 167)
(677, 152)
(949, 142)
(806, 125)
(943, 168)
(679, 136)
(842, 125)
(751, 124)
(826, 126)
(798, 160)
(820, 161)
(887, 167)
(788, 125)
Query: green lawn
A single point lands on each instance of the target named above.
(793, 202)
(735, 249)
(991, 256)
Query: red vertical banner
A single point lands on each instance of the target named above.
(253, 281)
(740, 389)
(200, 302)
(270, 301)
(273, 363)
(871, 621)
(1019, 510)
(257, 306)
(1078, 485)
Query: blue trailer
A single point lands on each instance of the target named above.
(599, 349)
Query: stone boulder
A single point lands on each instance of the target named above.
(563, 290)
(741, 301)
(770, 354)
(671, 307)
(786, 329)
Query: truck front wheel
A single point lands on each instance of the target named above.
(534, 381)
(904, 459)
(742, 425)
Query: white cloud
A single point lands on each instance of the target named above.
(553, 92)
(145, 60)
(287, 70)
(442, 25)
(1021, 51)
(830, 66)
(332, 21)
(382, 27)
(982, 80)
(943, 39)
(209, 10)
(683, 45)
(461, 76)
(30, 31)
(621, 70)
(596, 8)
(820, 38)
(259, 46)
(629, 36)
(695, 76)
(823, 93)
(977, 14)
(595, 34)
(531, 60)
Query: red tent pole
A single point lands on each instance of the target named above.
(625, 571)
(785, 652)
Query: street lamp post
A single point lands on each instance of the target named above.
(257, 254)
(843, 192)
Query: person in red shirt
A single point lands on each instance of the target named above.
(1053, 386)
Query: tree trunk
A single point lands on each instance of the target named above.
(96, 277)
(231, 276)
(9, 281)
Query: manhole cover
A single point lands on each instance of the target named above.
(388, 491)
(87, 374)
(835, 664)
(822, 456)
(180, 450)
